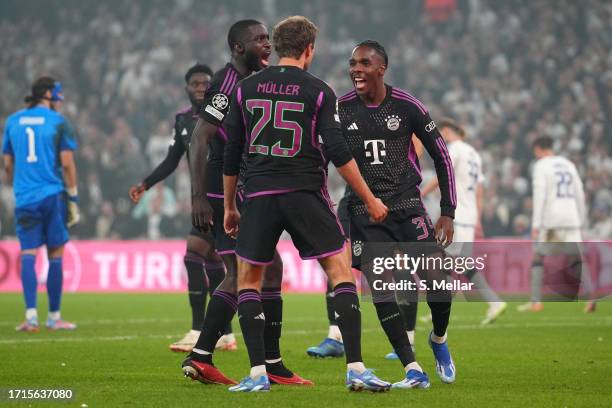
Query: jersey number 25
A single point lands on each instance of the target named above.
(274, 112)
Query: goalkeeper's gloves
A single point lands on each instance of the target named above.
(74, 215)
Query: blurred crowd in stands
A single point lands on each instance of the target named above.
(508, 71)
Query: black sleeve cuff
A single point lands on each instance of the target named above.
(340, 161)
(229, 170)
(448, 211)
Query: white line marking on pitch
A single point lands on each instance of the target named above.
(149, 320)
(298, 332)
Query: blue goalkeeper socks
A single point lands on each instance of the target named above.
(54, 284)
(28, 280)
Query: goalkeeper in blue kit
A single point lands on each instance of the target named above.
(38, 148)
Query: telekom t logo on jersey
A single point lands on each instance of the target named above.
(377, 152)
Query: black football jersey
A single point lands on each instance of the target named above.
(214, 110)
(275, 120)
(184, 123)
(380, 139)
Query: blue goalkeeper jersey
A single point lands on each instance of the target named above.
(35, 137)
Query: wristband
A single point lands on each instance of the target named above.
(73, 194)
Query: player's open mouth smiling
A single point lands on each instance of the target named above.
(359, 83)
(265, 59)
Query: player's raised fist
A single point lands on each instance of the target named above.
(378, 210)
(136, 192)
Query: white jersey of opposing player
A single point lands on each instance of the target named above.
(467, 165)
(558, 196)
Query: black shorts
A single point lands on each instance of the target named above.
(344, 216)
(224, 244)
(308, 216)
(206, 236)
(400, 226)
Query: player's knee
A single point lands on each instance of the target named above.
(406, 297)
(29, 252)
(250, 276)
(200, 247)
(56, 252)
(229, 285)
(273, 277)
(337, 269)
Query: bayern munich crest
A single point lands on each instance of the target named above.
(393, 122)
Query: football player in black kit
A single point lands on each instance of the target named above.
(378, 121)
(284, 111)
(204, 267)
(250, 48)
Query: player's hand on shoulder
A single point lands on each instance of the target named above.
(136, 192)
(201, 213)
(231, 222)
(378, 210)
(444, 231)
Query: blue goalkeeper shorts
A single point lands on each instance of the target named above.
(42, 223)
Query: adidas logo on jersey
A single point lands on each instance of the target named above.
(260, 316)
(353, 126)
(184, 133)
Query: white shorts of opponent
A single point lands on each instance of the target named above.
(556, 241)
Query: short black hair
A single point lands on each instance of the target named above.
(197, 68)
(39, 89)
(377, 47)
(544, 142)
(238, 30)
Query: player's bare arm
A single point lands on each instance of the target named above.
(433, 142)
(8, 167)
(231, 218)
(201, 211)
(163, 170)
(429, 187)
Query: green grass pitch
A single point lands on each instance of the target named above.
(119, 357)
